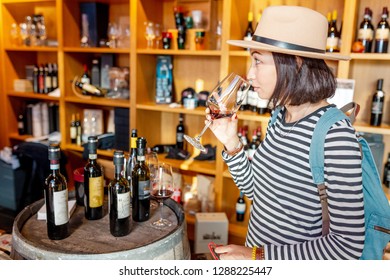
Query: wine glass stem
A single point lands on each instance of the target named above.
(203, 130)
(161, 210)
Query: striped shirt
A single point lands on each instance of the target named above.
(286, 212)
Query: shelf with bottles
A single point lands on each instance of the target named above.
(92, 120)
(18, 67)
(155, 19)
(107, 73)
(30, 117)
(30, 24)
(161, 129)
(186, 70)
(112, 21)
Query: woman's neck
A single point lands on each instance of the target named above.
(296, 113)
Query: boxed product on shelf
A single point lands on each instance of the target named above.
(210, 227)
(164, 80)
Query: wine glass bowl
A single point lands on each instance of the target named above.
(149, 33)
(161, 190)
(224, 101)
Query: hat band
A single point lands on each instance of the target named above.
(285, 45)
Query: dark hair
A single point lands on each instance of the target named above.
(301, 80)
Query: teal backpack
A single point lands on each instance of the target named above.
(376, 205)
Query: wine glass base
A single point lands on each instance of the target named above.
(161, 223)
(194, 142)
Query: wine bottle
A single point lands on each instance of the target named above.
(249, 29)
(21, 128)
(95, 73)
(48, 87)
(180, 130)
(119, 199)
(41, 79)
(93, 183)
(377, 104)
(366, 31)
(252, 100)
(78, 129)
(262, 105)
(85, 78)
(56, 198)
(386, 172)
(163, 149)
(141, 185)
(54, 81)
(132, 159)
(382, 33)
(253, 145)
(36, 79)
(240, 208)
(332, 41)
(73, 130)
(88, 89)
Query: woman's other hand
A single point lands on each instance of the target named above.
(234, 252)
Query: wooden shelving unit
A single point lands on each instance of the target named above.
(158, 122)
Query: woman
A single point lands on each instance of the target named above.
(288, 68)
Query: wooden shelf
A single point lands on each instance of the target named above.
(31, 95)
(151, 106)
(31, 49)
(101, 101)
(370, 56)
(26, 1)
(205, 167)
(179, 52)
(95, 50)
(363, 127)
(16, 136)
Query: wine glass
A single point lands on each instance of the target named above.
(224, 100)
(163, 189)
(151, 160)
(158, 34)
(112, 33)
(149, 33)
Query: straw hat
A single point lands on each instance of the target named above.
(291, 30)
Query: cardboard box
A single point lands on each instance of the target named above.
(210, 227)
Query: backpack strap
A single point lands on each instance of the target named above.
(274, 115)
(316, 159)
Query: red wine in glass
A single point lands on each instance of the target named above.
(217, 114)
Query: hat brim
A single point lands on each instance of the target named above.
(261, 46)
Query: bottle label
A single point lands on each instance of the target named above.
(240, 208)
(54, 166)
(365, 34)
(123, 202)
(96, 192)
(377, 108)
(382, 34)
(60, 202)
(143, 189)
(332, 43)
(73, 132)
(180, 137)
(92, 156)
(262, 103)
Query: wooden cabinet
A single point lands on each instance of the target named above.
(158, 122)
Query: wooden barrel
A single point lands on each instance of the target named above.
(91, 240)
